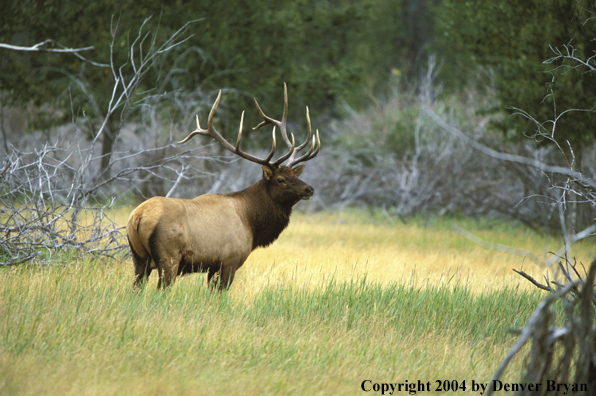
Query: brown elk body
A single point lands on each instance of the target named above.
(216, 233)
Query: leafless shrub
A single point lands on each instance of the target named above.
(389, 156)
(416, 183)
(560, 353)
(51, 201)
(43, 210)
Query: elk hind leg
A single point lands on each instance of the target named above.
(142, 268)
(168, 271)
(166, 258)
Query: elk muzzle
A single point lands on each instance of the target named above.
(308, 193)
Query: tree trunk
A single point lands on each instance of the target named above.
(577, 213)
(2, 125)
(110, 134)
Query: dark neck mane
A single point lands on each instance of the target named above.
(266, 217)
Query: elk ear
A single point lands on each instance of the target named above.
(298, 170)
(267, 172)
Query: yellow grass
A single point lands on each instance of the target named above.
(351, 244)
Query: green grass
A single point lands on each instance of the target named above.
(450, 311)
(81, 330)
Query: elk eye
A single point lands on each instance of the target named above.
(280, 179)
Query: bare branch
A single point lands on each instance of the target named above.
(570, 53)
(39, 47)
(495, 246)
(534, 282)
(577, 176)
(51, 203)
(122, 93)
(571, 239)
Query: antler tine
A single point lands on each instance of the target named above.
(309, 131)
(237, 148)
(210, 128)
(266, 119)
(201, 131)
(272, 148)
(193, 133)
(308, 137)
(282, 127)
(280, 124)
(284, 117)
(284, 120)
(309, 154)
(240, 132)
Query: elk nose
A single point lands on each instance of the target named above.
(309, 191)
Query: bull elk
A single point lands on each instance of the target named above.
(216, 232)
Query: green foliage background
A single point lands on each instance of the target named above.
(515, 39)
(329, 52)
(325, 50)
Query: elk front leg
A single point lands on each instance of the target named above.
(227, 275)
(210, 275)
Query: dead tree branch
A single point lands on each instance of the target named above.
(39, 47)
(575, 175)
(495, 246)
(48, 204)
(42, 47)
(535, 282)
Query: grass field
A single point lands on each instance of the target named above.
(340, 298)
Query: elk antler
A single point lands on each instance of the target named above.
(312, 152)
(316, 143)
